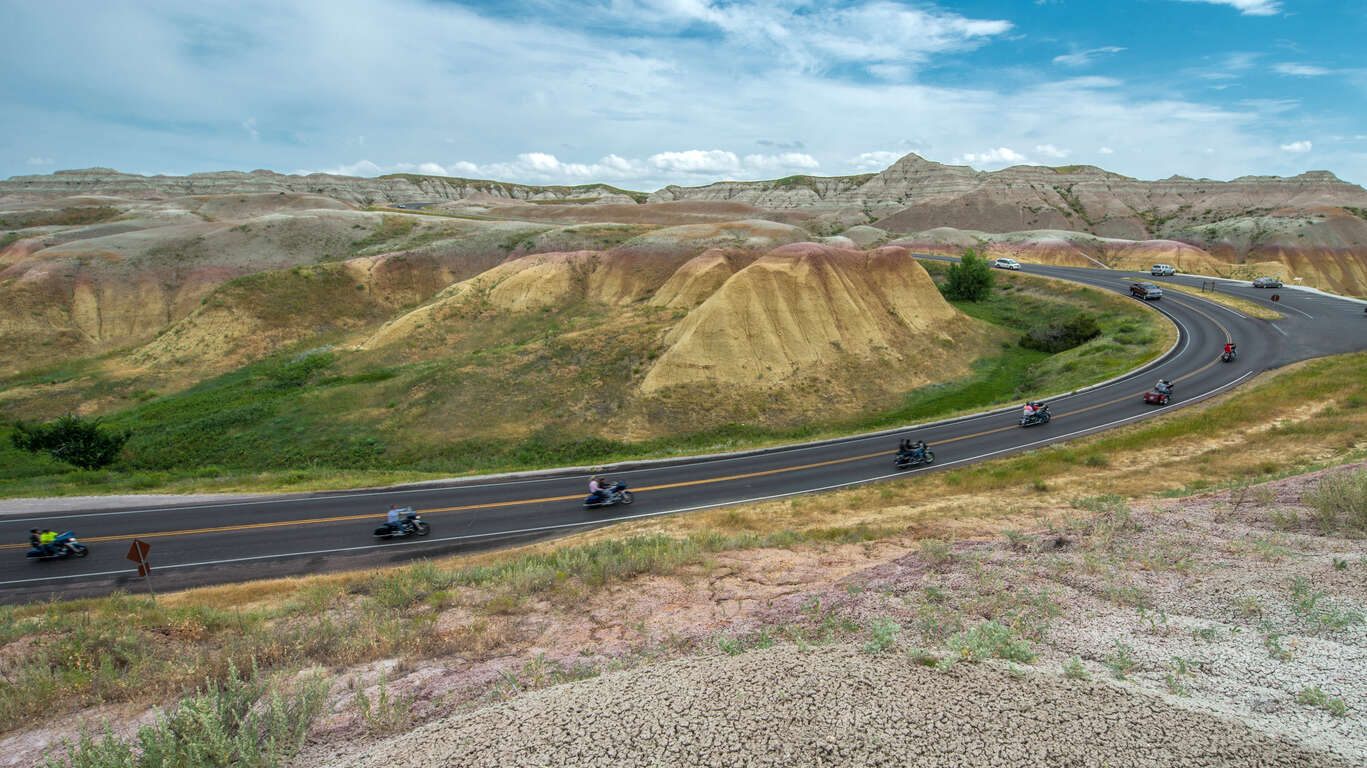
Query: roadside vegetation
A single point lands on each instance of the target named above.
(1250, 308)
(1065, 510)
(514, 391)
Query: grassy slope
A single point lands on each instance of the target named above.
(243, 430)
(506, 391)
(69, 655)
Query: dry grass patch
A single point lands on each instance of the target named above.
(1250, 308)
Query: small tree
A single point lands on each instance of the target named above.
(969, 280)
(71, 439)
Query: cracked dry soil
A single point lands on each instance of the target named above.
(833, 706)
(1227, 605)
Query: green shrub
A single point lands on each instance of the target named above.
(991, 639)
(299, 370)
(1340, 501)
(71, 439)
(234, 723)
(969, 280)
(1062, 335)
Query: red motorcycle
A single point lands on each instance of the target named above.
(1161, 393)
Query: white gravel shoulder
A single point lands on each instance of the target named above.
(58, 504)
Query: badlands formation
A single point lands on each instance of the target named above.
(209, 271)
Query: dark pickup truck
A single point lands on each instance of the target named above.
(1146, 291)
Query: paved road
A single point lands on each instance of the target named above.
(298, 534)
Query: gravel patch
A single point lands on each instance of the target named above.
(833, 706)
(45, 505)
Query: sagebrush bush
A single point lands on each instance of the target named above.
(1340, 501)
(237, 722)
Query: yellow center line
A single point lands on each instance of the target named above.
(547, 499)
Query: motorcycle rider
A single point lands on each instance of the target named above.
(47, 541)
(1164, 386)
(1028, 410)
(35, 539)
(1229, 349)
(394, 518)
(598, 489)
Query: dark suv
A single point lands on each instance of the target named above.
(1146, 291)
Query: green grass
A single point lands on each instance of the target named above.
(370, 418)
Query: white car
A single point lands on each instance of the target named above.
(1005, 263)
(1160, 270)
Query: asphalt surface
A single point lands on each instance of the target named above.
(222, 542)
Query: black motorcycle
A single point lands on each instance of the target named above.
(1228, 357)
(411, 524)
(1040, 415)
(617, 494)
(905, 459)
(64, 546)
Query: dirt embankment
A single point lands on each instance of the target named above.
(1216, 630)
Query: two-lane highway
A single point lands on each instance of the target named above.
(234, 541)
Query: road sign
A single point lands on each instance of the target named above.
(137, 551)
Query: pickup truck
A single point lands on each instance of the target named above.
(1146, 291)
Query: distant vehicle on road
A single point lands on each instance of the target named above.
(1266, 282)
(1146, 291)
(1161, 270)
(1005, 263)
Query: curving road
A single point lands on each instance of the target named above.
(297, 534)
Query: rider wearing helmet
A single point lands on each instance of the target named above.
(1163, 386)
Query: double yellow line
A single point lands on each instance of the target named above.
(664, 486)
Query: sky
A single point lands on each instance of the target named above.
(644, 93)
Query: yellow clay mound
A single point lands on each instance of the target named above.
(804, 308)
(692, 283)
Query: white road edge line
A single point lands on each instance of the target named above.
(680, 510)
(1178, 348)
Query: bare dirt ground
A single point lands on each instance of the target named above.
(1222, 629)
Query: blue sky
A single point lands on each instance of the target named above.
(643, 93)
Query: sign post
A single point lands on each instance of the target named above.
(137, 552)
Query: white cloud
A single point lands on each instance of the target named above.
(786, 162)
(596, 97)
(812, 35)
(1082, 58)
(1297, 147)
(1248, 7)
(1051, 151)
(1106, 151)
(874, 161)
(39, 161)
(249, 125)
(1001, 156)
(1302, 70)
(696, 161)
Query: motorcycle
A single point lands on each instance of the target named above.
(617, 494)
(906, 459)
(1228, 357)
(411, 524)
(1159, 396)
(1041, 415)
(64, 546)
